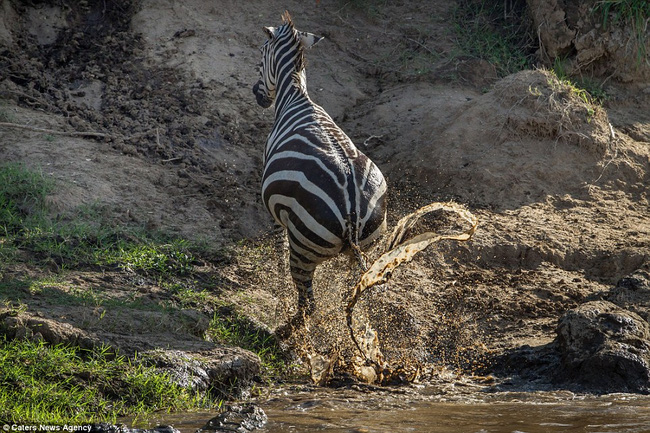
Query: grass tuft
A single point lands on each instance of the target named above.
(228, 327)
(22, 198)
(588, 90)
(150, 257)
(84, 239)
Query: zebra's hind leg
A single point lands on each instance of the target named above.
(306, 307)
(302, 274)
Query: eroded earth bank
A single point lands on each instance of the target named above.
(141, 116)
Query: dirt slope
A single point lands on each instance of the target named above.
(559, 185)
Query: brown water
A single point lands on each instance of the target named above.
(356, 411)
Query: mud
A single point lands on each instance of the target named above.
(559, 185)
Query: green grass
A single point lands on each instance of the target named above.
(41, 383)
(589, 90)
(228, 327)
(22, 198)
(52, 384)
(163, 259)
(488, 30)
(83, 239)
(190, 295)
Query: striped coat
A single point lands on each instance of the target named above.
(326, 193)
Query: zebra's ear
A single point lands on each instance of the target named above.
(308, 40)
(270, 32)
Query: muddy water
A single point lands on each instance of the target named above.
(430, 417)
(421, 410)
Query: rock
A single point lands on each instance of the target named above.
(604, 348)
(181, 368)
(31, 327)
(227, 370)
(638, 280)
(633, 293)
(236, 418)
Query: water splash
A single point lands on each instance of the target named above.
(369, 364)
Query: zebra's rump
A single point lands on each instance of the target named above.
(324, 195)
(298, 192)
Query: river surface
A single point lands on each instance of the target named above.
(396, 411)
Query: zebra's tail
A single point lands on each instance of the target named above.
(353, 241)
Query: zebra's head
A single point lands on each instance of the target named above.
(282, 58)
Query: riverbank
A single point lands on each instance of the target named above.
(134, 247)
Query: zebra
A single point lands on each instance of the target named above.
(328, 195)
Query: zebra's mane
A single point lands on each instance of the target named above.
(300, 58)
(286, 18)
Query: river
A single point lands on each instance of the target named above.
(424, 410)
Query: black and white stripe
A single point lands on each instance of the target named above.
(316, 183)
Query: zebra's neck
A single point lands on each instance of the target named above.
(292, 89)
